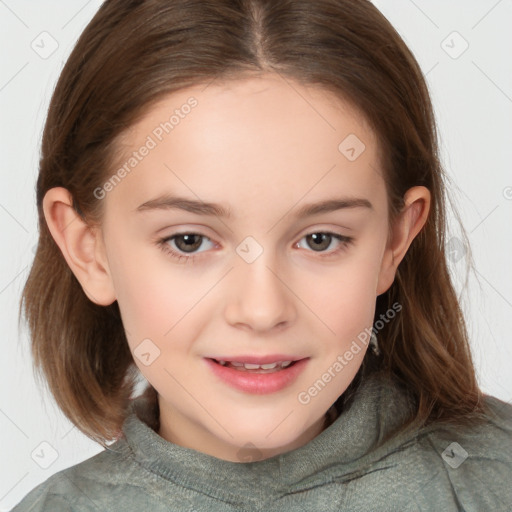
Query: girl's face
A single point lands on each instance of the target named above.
(262, 275)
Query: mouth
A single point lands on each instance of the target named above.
(250, 367)
(258, 375)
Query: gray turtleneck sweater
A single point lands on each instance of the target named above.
(346, 467)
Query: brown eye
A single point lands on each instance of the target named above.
(184, 246)
(188, 243)
(319, 241)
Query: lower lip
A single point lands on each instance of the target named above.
(258, 383)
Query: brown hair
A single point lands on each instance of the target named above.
(135, 52)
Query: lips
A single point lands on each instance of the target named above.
(257, 381)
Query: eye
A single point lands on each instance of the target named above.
(186, 244)
(322, 240)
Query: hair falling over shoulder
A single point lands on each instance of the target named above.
(135, 52)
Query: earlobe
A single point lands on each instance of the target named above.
(80, 245)
(408, 224)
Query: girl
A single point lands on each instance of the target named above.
(243, 200)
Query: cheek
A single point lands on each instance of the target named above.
(345, 306)
(163, 302)
(346, 295)
(149, 300)
(348, 314)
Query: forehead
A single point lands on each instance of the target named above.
(230, 141)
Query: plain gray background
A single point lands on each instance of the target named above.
(472, 93)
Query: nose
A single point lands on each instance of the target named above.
(260, 299)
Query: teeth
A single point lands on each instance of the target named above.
(250, 366)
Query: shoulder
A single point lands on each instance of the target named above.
(473, 463)
(90, 485)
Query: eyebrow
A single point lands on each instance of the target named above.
(167, 202)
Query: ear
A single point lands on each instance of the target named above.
(407, 225)
(80, 244)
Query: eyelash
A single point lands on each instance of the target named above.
(345, 241)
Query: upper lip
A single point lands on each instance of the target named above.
(271, 358)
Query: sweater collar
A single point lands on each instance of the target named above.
(376, 409)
